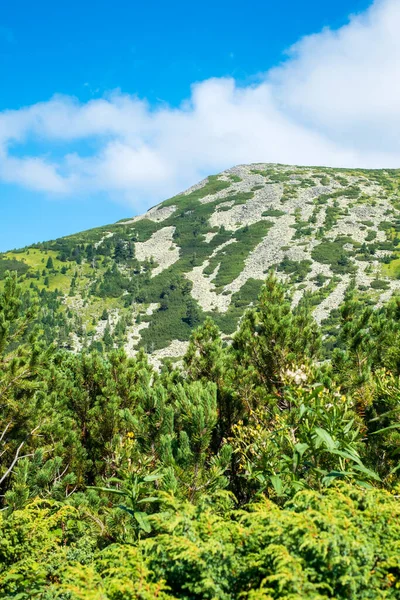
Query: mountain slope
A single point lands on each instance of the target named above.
(147, 281)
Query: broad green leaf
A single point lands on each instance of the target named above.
(143, 521)
(368, 472)
(326, 438)
(348, 426)
(333, 474)
(126, 509)
(394, 426)
(301, 448)
(364, 484)
(395, 469)
(277, 484)
(385, 414)
(153, 477)
(149, 499)
(348, 455)
(109, 490)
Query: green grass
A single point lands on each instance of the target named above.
(34, 258)
(392, 269)
(33, 261)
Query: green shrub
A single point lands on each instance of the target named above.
(7, 264)
(273, 212)
(380, 284)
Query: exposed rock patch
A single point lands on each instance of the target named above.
(156, 214)
(161, 248)
(266, 254)
(133, 333)
(176, 349)
(334, 300)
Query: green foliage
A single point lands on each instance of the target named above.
(319, 546)
(113, 284)
(98, 270)
(253, 472)
(309, 445)
(333, 254)
(232, 258)
(177, 315)
(342, 543)
(7, 265)
(234, 178)
(240, 301)
(212, 186)
(193, 313)
(273, 336)
(296, 269)
(273, 212)
(272, 175)
(237, 198)
(379, 284)
(265, 465)
(49, 264)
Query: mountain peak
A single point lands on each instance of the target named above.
(148, 280)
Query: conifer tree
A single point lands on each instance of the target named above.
(192, 316)
(22, 365)
(207, 359)
(273, 336)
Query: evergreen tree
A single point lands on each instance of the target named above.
(107, 338)
(22, 367)
(207, 360)
(192, 316)
(121, 250)
(274, 336)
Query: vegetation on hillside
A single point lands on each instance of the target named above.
(262, 469)
(328, 226)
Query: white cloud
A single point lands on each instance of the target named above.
(335, 101)
(346, 83)
(34, 173)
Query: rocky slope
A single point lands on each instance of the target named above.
(147, 281)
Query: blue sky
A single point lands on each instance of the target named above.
(68, 165)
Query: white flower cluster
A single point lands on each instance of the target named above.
(298, 376)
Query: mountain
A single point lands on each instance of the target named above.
(147, 281)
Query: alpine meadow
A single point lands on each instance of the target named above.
(204, 402)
